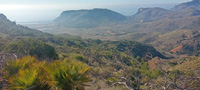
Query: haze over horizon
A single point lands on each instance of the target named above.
(47, 10)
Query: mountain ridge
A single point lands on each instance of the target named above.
(10, 28)
(88, 18)
(2, 16)
(193, 3)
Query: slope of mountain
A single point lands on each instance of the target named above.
(109, 56)
(191, 11)
(12, 29)
(14, 33)
(150, 14)
(179, 41)
(189, 65)
(193, 3)
(2, 16)
(121, 62)
(167, 25)
(88, 18)
(153, 14)
(138, 27)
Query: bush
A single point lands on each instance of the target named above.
(29, 73)
(31, 47)
(172, 63)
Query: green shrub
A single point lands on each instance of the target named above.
(29, 73)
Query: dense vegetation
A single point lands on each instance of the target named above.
(31, 47)
(117, 63)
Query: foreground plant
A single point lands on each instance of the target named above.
(66, 75)
(31, 74)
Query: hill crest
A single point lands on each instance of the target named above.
(88, 18)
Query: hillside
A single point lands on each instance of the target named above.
(179, 42)
(12, 29)
(193, 3)
(155, 49)
(88, 18)
(167, 25)
(107, 59)
(150, 14)
(146, 26)
(153, 14)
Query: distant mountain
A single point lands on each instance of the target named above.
(150, 14)
(154, 14)
(146, 20)
(161, 20)
(193, 3)
(88, 18)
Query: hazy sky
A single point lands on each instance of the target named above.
(47, 10)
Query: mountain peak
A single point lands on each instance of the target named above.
(2, 16)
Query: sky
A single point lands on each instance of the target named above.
(47, 10)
